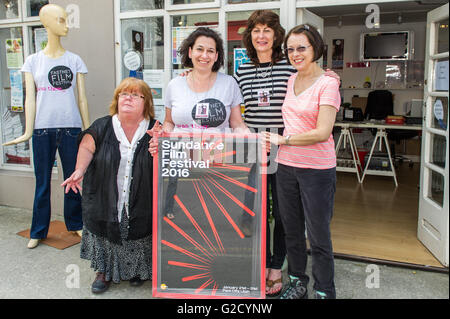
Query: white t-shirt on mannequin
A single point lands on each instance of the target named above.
(210, 111)
(55, 79)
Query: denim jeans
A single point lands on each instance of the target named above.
(306, 197)
(45, 143)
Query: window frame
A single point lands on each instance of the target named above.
(221, 7)
(25, 23)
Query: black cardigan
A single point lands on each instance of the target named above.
(100, 194)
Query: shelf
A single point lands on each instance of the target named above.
(379, 172)
(346, 169)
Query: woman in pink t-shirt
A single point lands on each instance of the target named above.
(306, 159)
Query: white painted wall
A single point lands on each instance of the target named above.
(376, 72)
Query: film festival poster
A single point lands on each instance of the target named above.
(208, 230)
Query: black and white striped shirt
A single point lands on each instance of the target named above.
(265, 77)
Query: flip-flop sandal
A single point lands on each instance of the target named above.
(271, 283)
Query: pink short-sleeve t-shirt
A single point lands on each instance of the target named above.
(300, 115)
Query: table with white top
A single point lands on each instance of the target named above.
(380, 137)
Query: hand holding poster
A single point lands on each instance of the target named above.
(209, 229)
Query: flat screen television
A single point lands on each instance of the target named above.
(379, 46)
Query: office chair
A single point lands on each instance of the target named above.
(380, 104)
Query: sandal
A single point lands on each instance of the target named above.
(271, 283)
(170, 216)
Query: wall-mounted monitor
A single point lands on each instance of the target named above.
(379, 46)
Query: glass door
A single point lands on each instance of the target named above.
(433, 203)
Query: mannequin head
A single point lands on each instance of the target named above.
(54, 19)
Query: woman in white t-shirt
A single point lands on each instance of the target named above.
(205, 100)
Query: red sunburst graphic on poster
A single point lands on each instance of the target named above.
(206, 250)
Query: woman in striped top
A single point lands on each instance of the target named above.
(263, 84)
(307, 164)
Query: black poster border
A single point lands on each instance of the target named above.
(263, 165)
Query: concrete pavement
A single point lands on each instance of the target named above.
(49, 273)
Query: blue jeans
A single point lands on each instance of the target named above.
(45, 144)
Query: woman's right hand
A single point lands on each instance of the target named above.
(153, 144)
(74, 181)
(186, 73)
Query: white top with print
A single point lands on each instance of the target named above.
(210, 111)
(56, 105)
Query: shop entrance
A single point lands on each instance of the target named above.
(375, 220)
(378, 221)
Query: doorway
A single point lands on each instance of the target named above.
(376, 220)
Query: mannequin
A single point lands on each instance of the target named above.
(53, 117)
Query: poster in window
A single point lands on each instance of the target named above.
(40, 39)
(441, 73)
(14, 54)
(209, 211)
(15, 79)
(337, 58)
(240, 57)
(155, 80)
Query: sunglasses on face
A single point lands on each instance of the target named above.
(299, 49)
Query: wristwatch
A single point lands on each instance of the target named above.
(287, 137)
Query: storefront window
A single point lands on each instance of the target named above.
(12, 96)
(9, 9)
(33, 7)
(142, 37)
(143, 55)
(442, 36)
(134, 5)
(182, 26)
(236, 23)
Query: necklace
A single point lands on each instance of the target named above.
(265, 73)
(263, 90)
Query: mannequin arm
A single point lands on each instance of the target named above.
(30, 110)
(82, 101)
